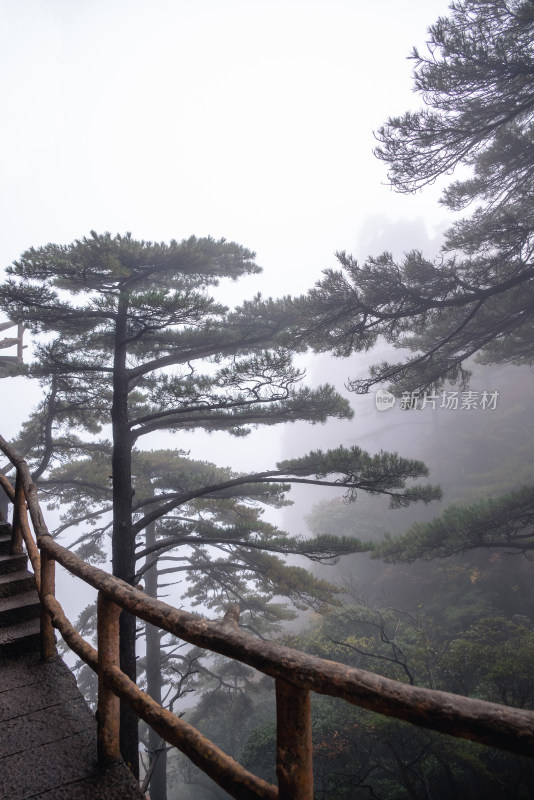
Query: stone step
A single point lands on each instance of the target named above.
(19, 608)
(13, 563)
(5, 544)
(20, 638)
(48, 741)
(12, 583)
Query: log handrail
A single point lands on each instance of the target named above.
(296, 674)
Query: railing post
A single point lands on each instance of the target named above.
(294, 755)
(48, 586)
(19, 508)
(108, 714)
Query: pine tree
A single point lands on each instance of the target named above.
(476, 83)
(142, 343)
(477, 299)
(503, 523)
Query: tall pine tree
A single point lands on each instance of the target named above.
(134, 337)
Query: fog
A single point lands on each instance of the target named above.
(254, 121)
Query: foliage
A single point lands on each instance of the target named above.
(357, 752)
(475, 81)
(384, 473)
(493, 659)
(134, 335)
(500, 523)
(234, 700)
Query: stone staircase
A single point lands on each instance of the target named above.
(48, 735)
(19, 601)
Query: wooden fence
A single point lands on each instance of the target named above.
(296, 674)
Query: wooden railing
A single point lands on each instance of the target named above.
(296, 674)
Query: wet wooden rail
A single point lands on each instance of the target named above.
(296, 674)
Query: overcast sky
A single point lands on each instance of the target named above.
(249, 120)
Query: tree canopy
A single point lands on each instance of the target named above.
(476, 83)
(133, 334)
(370, 756)
(504, 523)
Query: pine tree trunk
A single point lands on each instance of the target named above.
(156, 746)
(123, 546)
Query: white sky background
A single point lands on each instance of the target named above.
(249, 120)
(246, 120)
